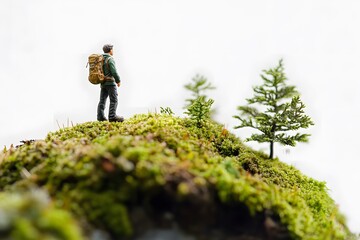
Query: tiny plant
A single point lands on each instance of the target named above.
(166, 110)
(200, 110)
(197, 88)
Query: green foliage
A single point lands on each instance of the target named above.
(199, 110)
(29, 215)
(102, 171)
(198, 87)
(281, 119)
(166, 110)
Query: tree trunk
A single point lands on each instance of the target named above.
(273, 130)
(271, 150)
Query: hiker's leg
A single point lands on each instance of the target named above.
(113, 94)
(101, 106)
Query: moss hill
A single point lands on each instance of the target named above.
(155, 171)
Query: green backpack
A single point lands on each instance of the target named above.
(96, 74)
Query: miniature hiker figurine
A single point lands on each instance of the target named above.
(108, 87)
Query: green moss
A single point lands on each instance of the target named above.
(101, 171)
(30, 215)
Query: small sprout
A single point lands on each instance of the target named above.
(166, 110)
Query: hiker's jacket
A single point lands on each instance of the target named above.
(110, 70)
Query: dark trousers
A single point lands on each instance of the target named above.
(111, 92)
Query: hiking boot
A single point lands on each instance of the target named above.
(117, 119)
(102, 119)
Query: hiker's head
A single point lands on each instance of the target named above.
(108, 48)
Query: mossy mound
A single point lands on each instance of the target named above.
(157, 171)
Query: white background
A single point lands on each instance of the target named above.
(160, 45)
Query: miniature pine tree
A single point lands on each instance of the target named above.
(200, 110)
(281, 118)
(199, 106)
(197, 88)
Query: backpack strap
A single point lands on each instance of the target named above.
(108, 67)
(107, 63)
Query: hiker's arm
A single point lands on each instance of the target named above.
(113, 70)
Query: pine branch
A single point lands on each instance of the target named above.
(261, 138)
(291, 140)
(248, 111)
(245, 123)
